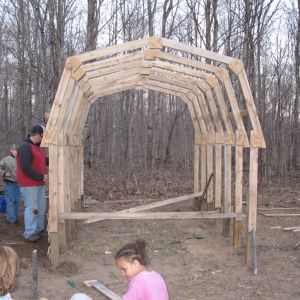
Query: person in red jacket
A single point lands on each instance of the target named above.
(31, 176)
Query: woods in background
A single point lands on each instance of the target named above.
(142, 131)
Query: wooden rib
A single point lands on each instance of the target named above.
(114, 70)
(251, 109)
(167, 66)
(117, 89)
(85, 112)
(192, 84)
(223, 76)
(70, 108)
(197, 51)
(210, 100)
(181, 84)
(126, 80)
(110, 62)
(188, 62)
(76, 114)
(113, 78)
(59, 97)
(164, 66)
(99, 53)
(198, 112)
(193, 114)
(160, 83)
(153, 86)
(233, 102)
(67, 97)
(214, 83)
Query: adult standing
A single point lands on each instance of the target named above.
(31, 176)
(8, 171)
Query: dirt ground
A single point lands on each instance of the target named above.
(196, 261)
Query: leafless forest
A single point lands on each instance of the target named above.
(141, 132)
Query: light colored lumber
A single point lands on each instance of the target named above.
(156, 204)
(209, 198)
(291, 228)
(53, 250)
(105, 80)
(227, 186)
(98, 53)
(280, 215)
(111, 89)
(277, 208)
(196, 168)
(240, 71)
(252, 204)
(218, 175)
(237, 225)
(35, 292)
(193, 116)
(110, 62)
(61, 193)
(102, 289)
(197, 51)
(214, 83)
(213, 107)
(203, 163)
(149, 215)
(198, 113)
(233, 102)
(53, 189)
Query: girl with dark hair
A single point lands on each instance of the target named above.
(143, 283)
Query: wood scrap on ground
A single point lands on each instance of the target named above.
(280, 215)
(277, 208)
(102, 289)
(295, 228)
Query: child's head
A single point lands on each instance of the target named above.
(132, 259)
(9, 265)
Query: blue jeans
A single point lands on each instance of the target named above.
(35, 207)
(12, 198)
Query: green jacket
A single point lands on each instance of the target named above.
(8, 165)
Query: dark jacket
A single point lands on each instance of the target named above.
(31, 164)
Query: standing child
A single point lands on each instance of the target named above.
(143, 283)
(8, 171)
(9, 265)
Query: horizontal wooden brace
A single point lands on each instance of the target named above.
(150, 215)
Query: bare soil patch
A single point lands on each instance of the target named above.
(194, 258)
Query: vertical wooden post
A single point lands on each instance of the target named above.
(218, 175)
(68, 189)
(227, 188)
(237, 230)
(53, 205)
(196, 167)
(203, 167)
(210, 203)
(252, 208)
(61, 175)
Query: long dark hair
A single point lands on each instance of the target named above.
(134, 251)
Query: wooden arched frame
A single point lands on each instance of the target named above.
(174, 68)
